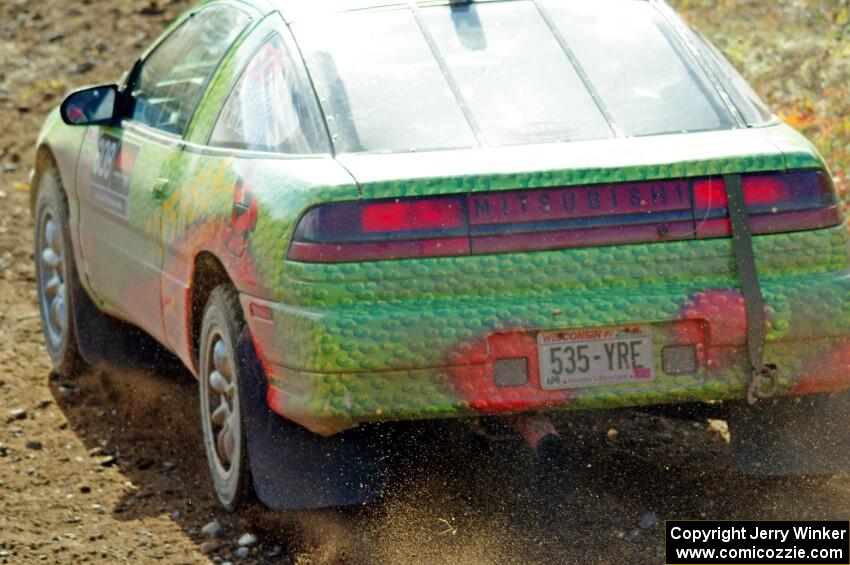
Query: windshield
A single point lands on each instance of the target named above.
(503, 73)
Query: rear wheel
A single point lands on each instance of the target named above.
(221, 411)
(56, 275)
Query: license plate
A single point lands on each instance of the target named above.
(595, 357)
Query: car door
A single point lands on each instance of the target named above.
(127, 170)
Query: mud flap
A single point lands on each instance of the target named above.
(293, 468)
(104, 340)
(807, 435)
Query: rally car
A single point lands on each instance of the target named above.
(348, 212)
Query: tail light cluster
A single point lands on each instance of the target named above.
(775, 203)
(560, 218)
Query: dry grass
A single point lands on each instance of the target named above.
(796, 53)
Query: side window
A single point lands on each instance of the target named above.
(173, 78)
(272, 107)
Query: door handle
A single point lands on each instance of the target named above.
(160, 189)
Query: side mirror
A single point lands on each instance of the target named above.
(90, 106)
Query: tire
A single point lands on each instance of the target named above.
(222, 418)
(56, 276)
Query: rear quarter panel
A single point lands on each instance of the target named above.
(243, 212)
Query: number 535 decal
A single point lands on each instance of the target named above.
(111, 172)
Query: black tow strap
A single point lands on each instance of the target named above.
(764, 381)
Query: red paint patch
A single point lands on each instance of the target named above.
(726, 314)
(477, 387)
(826, 373)
(243, 220)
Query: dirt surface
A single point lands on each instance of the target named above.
(110, 466)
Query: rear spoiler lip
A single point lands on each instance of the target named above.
(769, 148)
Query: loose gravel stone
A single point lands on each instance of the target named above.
(649, 520)
(144, 464)
(210, 547)
(211, 530)
(247, 539)
(108, 461)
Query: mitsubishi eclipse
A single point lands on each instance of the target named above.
(343, 213)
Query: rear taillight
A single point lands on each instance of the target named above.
(400, 216)
(557, 218)
(777, 202)
(371, 231)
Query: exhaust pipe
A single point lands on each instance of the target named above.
(540, 434)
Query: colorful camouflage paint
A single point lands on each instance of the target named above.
(416, 338)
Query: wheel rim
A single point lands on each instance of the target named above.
(222, 403)
(51, 278)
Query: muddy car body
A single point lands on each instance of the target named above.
(421, 220)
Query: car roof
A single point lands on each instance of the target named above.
(296, 9)
(293, 10)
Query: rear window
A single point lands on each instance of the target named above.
(503, 73)
(381, 88)
(643, 74)
(513, 75)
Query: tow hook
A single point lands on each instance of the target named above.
(540, 434)
(764, 384)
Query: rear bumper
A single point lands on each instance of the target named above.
(329, 403)
(333, 362)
